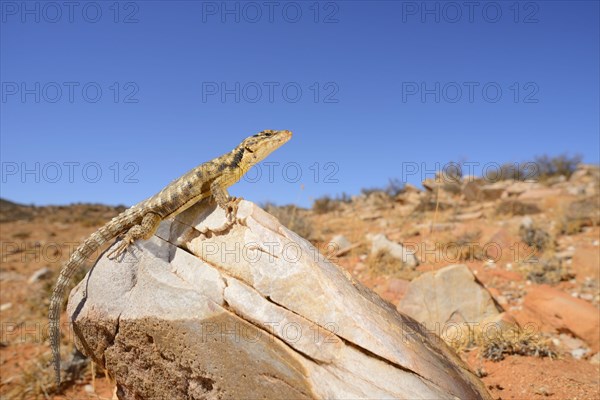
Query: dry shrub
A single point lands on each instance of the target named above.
(515, 341)
(325, 204)
(37, 379)
(551, 270)
(548, 167)
(534, 237)
(292, 217)
(496, 344)
(516, 207)
(429, 202)
(541, 168)
(392, 189)
(465, 247)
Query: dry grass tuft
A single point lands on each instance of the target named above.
(36, 381)
(496, 344)
(383, 263)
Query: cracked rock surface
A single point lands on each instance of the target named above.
(253, 312)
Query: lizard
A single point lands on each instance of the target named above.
(142, 220)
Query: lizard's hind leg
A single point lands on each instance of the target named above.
(226, 202)
(144, 230)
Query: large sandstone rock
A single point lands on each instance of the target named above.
(549, 308)
(252, 312)
(448, 298)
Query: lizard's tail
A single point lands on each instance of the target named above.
(77, 259)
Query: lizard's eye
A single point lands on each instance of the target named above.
(248, 149)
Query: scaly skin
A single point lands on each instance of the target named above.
(141, 221)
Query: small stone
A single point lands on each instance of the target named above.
(40, 274)
(481, 372)
(578, 354)
(544, 391)
(380, 242)
(571, 342)
(596, 243)
(587, 296)
(526, 223)
(564, 255)
(339, 242)
(5, 306)
(595, 359)
(89, 389)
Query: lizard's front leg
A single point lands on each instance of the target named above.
(226, 202)
(144, 230)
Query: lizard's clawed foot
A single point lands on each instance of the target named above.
(232, 209)
(121, 248)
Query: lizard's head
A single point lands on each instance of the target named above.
(255, 148)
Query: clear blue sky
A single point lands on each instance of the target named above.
(385, 87)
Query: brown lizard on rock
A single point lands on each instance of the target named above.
(141, 221)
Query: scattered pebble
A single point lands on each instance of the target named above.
(586, 296)
(5, 306)
(339, 242)
(544, 391)
(89, 389)
(579, 353)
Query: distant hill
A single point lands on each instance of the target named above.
(11, 211)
